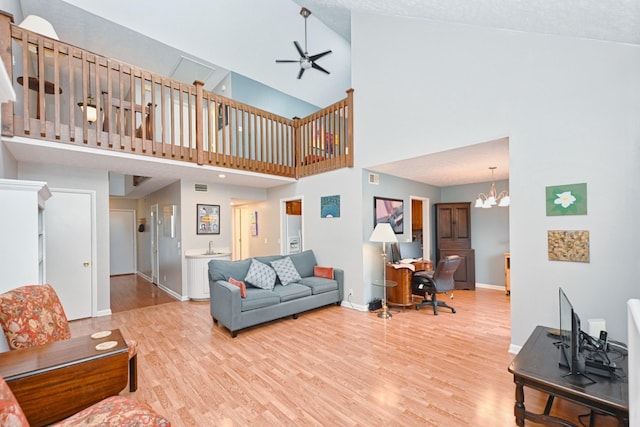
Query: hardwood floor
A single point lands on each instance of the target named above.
(131, 291)
(332, 366)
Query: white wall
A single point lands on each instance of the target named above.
(570, 108)
(82, 179)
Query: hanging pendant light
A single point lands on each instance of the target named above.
(90, 104)
(486, 201)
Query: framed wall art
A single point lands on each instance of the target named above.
(569, 199)
(568, 245)
(389, 210)
(208, 219)
(330, 206)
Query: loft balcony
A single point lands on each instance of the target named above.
(69, 95)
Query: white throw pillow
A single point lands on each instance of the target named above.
(286, 271)
(261, 275)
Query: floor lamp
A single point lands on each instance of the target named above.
(384, 233)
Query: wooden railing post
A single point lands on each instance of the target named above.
(199, 122)
(6, 20)
(297, 152)
(349, 146)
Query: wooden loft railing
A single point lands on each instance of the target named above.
(143, 113)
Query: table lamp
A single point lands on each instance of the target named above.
(384, 233)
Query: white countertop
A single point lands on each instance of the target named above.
(203, 253)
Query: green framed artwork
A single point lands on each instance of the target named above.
(330, 206)
(569, 199)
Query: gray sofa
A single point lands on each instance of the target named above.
(263, 305)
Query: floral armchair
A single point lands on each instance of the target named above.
(32, 315)
(112, 411)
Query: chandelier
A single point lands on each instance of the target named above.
(493, 198)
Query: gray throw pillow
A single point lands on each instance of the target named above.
(261, 275)
(286, 271)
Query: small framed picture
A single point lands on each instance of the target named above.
(208, 219)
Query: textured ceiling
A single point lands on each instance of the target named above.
(613, 20)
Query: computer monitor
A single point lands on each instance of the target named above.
(410, 250)
(570, 355)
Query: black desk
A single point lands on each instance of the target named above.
(536, 366)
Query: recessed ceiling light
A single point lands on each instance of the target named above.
(221, 175)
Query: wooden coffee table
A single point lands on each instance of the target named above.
(54, 381)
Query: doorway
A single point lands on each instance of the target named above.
(122, 242)
(292, 226)
(420, 224)
(71, 261)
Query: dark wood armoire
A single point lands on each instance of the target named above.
(453, 237)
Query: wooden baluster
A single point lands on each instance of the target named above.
(132, 109)
(163, 115)
(199, 122)
(6, 56)
(71, 66)
(173, 120)
(56, 85)
(98, 101)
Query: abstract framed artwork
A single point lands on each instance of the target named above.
(571, 245)
(208, 219)
(389, 210)
(569, 199)
(330, 206)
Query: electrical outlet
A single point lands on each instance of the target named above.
(350, 292)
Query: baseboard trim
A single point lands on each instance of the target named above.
(174, 293)
(352, 306)
(493, 287)
(144, 276)
(101, 313)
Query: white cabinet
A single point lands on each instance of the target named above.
(198, 273)
(22, 259)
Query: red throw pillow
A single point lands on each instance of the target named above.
(326, 272)
(241, 285)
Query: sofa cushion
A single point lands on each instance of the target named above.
(292, 291)
(258, 298)
(285, 270)
(224, 269)
(261, 275)
(304, 262)
(319, 285)
(241, 285)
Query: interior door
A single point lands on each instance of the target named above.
(122, 238)
(70, 225)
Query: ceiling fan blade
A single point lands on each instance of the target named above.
(300, 51)
(300, 72)
(287, 60)
(319, 55)
(319, 68)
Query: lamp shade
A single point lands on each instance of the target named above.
(383, 233)
(39, 25)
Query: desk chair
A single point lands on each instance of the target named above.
(32, 315)
(429, 284)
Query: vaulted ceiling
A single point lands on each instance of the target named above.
(237, 43)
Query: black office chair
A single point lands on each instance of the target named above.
(429, 284)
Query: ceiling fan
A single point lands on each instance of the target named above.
(306, 61)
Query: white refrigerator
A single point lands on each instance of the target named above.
(294, 234)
